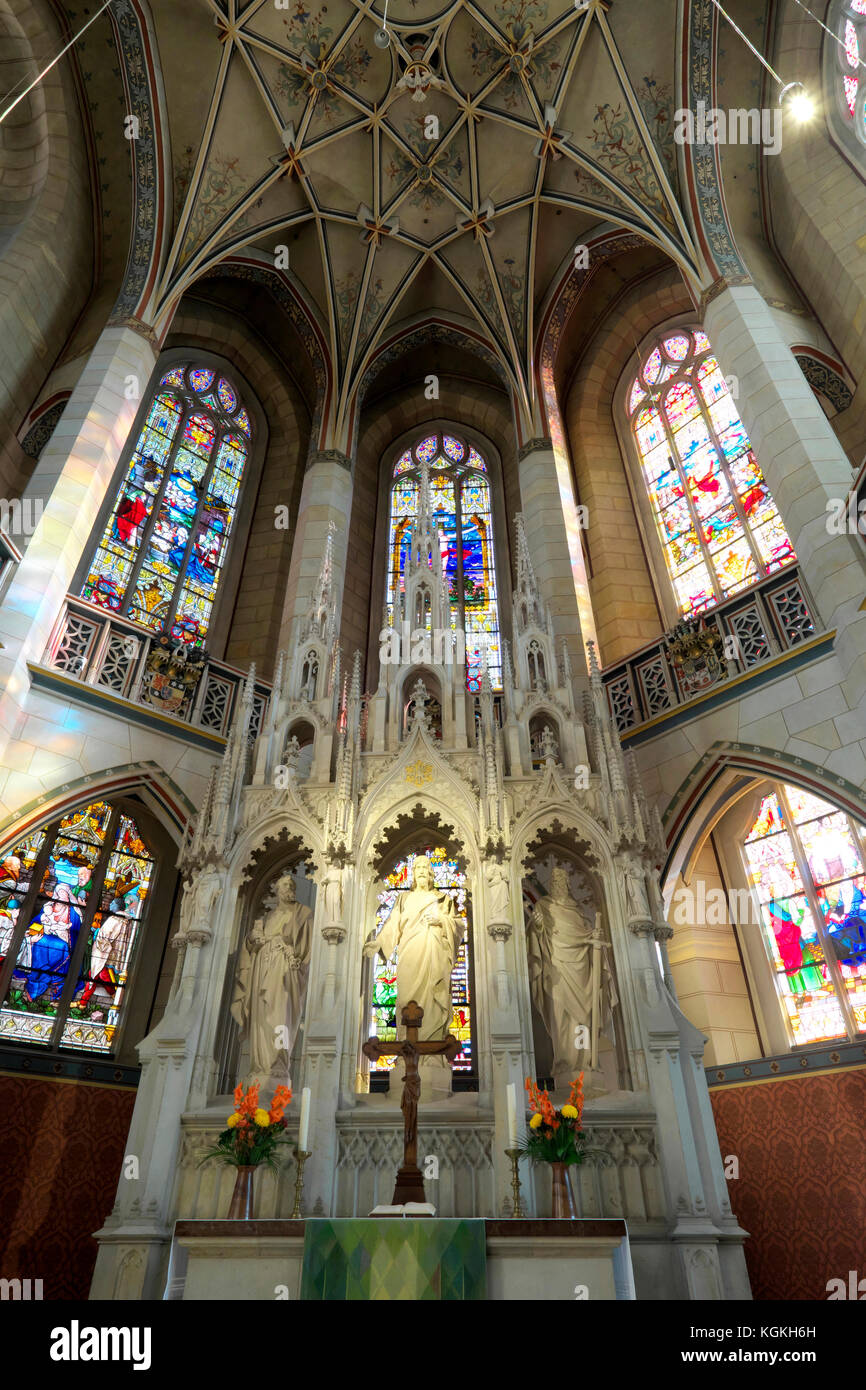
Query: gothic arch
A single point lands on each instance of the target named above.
(602, 478)
(724, 773)
(151, 171)
(46, 219)
(817, 248)
(276, 832)
(224, 602)
(283, 437)
(163, 798)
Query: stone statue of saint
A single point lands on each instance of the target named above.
(635, 890)
(198, 902)
(271, 984)
(561, 953)
(423, 934)
(499, 893)
(331, 885)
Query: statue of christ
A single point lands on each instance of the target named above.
(423, 933)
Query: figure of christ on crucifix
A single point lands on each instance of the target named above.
(409, 1186)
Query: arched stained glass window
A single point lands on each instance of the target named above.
(383, 1025)
(73, 898)
(719, 526)
(460, 491)
(850, 66)
(805, 863)
(164, 547)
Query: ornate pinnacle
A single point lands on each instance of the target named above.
(594, 670)
(355, 687)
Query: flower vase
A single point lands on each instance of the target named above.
(241, 1208)
(562, 1205)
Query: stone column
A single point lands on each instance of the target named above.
(552, 524)
(323, 1036)
(510, 1040)
(326, 496)
(705, 1234)
(76, 471)
(176, 1065)
(806, 469)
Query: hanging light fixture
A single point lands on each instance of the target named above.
(382, 38)
(799, 103)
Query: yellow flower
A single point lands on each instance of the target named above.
(233, 1120)
(569, 1112)
(535, 1122)
(262, 1119)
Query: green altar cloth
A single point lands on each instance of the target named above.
(418, 1258)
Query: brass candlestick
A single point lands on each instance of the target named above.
(301, 1155)
(514, 1155)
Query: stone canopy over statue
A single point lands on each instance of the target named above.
(571, 984)
(271, 985)
(423, 934)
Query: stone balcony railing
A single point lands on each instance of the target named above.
(751, 629)
(116, 658)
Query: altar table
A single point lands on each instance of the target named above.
(401, 1258)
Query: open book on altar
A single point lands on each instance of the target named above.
(407, 1209)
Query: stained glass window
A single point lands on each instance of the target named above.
(383, 1015)
(462, 507)
(73, 898)
(850, 65)
(805, 861)
(164, 547)
(718, 524)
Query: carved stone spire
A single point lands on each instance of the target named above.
(425, 602)
(320, 617)
(530, 609)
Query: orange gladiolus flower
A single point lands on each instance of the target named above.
(532, 1091)
(282, 1096)
(576, 1090)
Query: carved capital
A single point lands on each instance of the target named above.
(199, 935)
(535, 446)
(499, 931)
(334, 934)
(641, 928)
(662, 931)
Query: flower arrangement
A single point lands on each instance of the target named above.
(252, 1134)
(554, 1135)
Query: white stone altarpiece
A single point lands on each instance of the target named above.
(531, 794)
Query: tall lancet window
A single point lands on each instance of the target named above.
(73, 898)
(164, 547)
(460, 496)
(449, 879)
(806, 862)
(718, 524)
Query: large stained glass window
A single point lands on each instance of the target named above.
(383, 1014)
(718, 524)
(805, 860)
(164, 547)
(460, 492)
(72, 901)
(850, 65)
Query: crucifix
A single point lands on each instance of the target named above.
(409, 1186)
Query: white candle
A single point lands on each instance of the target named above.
(511, 1097)
(304, 1126)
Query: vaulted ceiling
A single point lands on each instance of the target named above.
(452, 172)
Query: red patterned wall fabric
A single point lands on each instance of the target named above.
(801, 1193)
(61, 1148)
